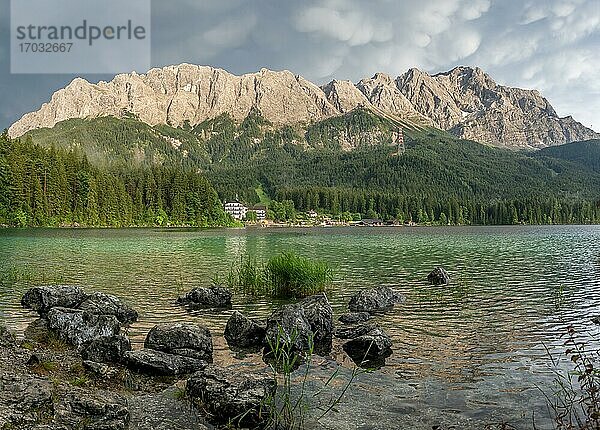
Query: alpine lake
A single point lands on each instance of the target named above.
(483, 350)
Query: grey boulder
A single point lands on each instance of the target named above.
(288, 327)
(207, 297)
(107, 304)
(106, 349)
(243, 332)
(157, 363)
(319, 315)
(374, 299)
(185, 339)
(368, 347)
(355, 331)
(77, 327)
(438, 276)
(354, 317)
(232, 397)
(42, 299)
(102, 410)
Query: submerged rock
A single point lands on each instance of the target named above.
(42, 299)
(319, 315)
(244, 332)
(156, 363)
(354, 317)
(369, 347)
(106, 349)
(107, 304)
(207, 297)
(438, 276)
(185, 339)
(77, 327)
(374, 299)
(80, 409)
(288, 326)
(231, 396)
(354, 332)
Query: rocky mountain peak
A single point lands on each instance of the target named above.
(465, 101)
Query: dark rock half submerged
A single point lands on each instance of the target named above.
(206, 298)
(354, 317)
(243, 332)
(438, 276)
(42, 299)
(374, 300)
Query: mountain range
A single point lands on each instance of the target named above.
(464, 101)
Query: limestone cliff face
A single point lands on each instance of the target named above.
(468, 103)
(176, 94)
(465, 101)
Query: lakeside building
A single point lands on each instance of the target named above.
(260, 211)
(236, 209)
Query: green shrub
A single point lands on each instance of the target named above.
(286, 275)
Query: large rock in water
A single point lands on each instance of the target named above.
(186, 339)
(372, 346)
(77, 327)
(319, 315)
(230, 396)
(289, 327)
(354, 317)
(107, 304)
(355, 331)
(438, 276)
(243, 332)
(156, 363)
(207, 297)
(106, 349)
(42, 299)
(374, 299)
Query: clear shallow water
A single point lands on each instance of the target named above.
(472, 350)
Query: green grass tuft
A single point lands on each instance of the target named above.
(286, 275)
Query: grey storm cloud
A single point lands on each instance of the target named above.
(550, 45)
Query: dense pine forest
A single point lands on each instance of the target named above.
(120, 172)
(53, 187)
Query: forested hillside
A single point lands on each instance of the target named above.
(586, 154)
(53, 187)
(345, 166)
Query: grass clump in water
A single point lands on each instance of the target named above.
(286, 275)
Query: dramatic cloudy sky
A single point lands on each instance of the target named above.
(551, 45)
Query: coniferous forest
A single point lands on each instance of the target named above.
(54, 187)
(121, 172)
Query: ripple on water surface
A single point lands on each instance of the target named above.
(477, 347)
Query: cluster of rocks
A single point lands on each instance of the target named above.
(92, 323)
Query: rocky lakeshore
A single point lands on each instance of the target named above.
(74, 367)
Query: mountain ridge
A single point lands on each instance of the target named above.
(464, 101)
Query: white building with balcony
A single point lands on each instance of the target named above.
(236, 209)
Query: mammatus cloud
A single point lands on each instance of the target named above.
(550, 45)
